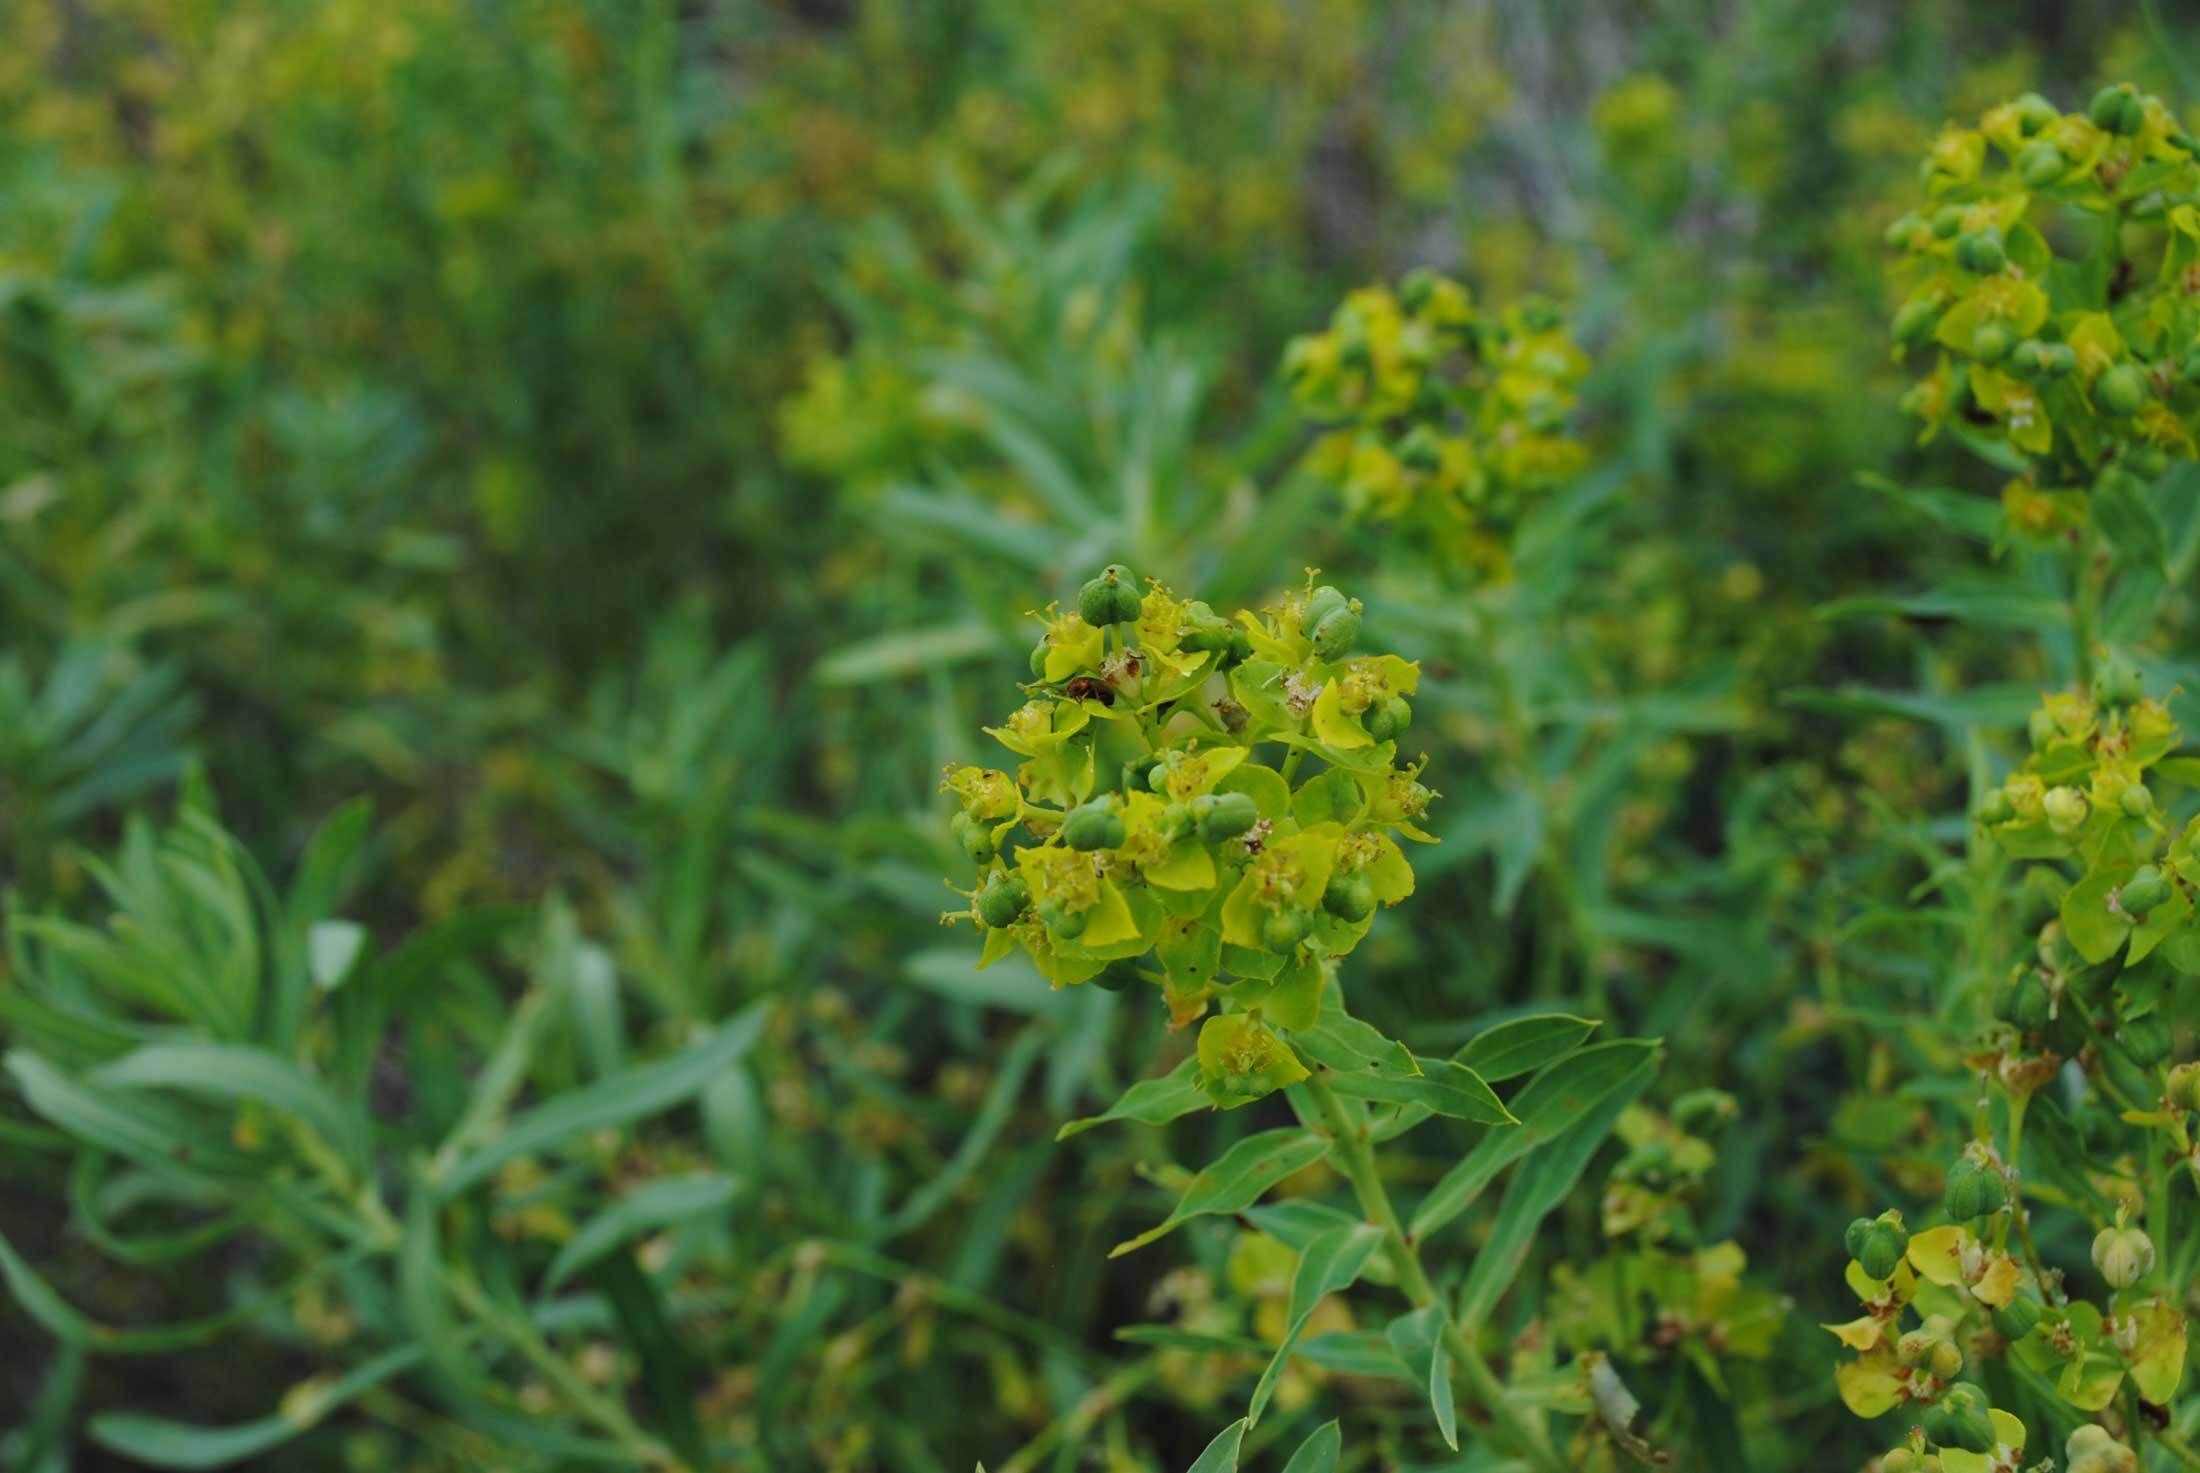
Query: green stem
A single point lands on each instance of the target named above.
(1356, 1155)
(2086, 614)
(522, 1336)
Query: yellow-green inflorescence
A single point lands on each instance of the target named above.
(1442, 414)
(2053, 286)
(1212, 804)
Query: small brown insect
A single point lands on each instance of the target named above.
(1089, 688)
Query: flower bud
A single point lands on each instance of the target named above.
(2137, 801)
(1335, 635)
(1224, 815)
(2146, 889)
(1991, 340)
(1111, 598)
(1002, 901)
(2122, 389)
(1095, 825)
(2015, 1319)
(2123, 1254)
(1900, 232)
(2092, 1450)
(1980, 252)
(2183, 1087)
(2066, 810)
(2041, 164)
(2040, 728)
(1973, 1191)
(1349, 897)
(1959, 1420)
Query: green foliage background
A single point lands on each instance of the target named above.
(620, 442)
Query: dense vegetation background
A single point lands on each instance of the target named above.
(620, 442)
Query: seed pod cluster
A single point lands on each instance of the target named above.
(1214, 804)
(1439, 411)
(2084, 365)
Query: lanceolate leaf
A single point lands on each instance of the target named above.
(1150, 1101)
(1221, 1455)
(1542, 1182)
(1238, 1180)
(1524, 1045)
(1318, 1454)
(160, 1443)
(1329, 1265)
(1418, 1340)
(1551, 1102)
(1442, 1086)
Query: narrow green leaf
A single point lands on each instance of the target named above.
(2120, 508)
(617, 1099)
(333, 950)
(1524, 1045)
(1318, 1454)
(1543, 1181)
(165, 1444)
(1550, 1102)
(906, 652)
(236, 1071)
(1150, 1101)
(1418, 1340)
(151, 1132)
(1221, 1455)
(1237, 1181)
(664, 1203)
(1443, 1086)
(1328, 1265)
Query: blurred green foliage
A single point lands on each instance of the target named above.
(507, 507)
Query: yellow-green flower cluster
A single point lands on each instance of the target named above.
(1443, 413)
(2054, 276)
(2083, 794)
(1212, 804)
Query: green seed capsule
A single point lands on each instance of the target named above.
(2041, 164)
(1285, 929)
(1902, 231)
(1421, 450)
(1336, 634)
(2034, 112)
(1960, 1419)
(2107, 109)
(2122, 389)
(1914, 322)
(2060, 360)
(1224, 815)
(1177, 820)
(1067, 924)
(2146, 1039)
(2015, 1319)
(1094, 825)
(1947, 220)
(2132, 116)
(2028, 359)
(2147, 462)
(2030, 1006)
(1039, 659)
(1853, 1238)
(2137, 801)
(1349, 898)
(1323, 602)
(2117, 683)
(1980, 252)
(1388, 719)
(977, 842)
(1991, 341)
(1003, 900)
(1111, 598)
(1116, 978)
(1973, 1191)
(1883, 1247)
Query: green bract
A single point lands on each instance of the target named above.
(1228, 821)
